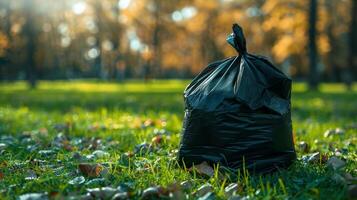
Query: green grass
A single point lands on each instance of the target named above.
(124, 115)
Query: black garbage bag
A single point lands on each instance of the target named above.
(237, 114)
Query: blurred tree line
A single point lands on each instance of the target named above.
(119, 39)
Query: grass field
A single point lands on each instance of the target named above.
(47, 133)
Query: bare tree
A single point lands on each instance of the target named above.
(313, 76)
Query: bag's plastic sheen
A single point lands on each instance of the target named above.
(237, 112)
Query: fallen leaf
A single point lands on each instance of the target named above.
(172, 153)
(96, 126)
(304, 147)
(54, 195)
(75, 196)
(186, 185)
(203, 169)
(120, 196)
(103, 192)
(155, 192)
(46, 153)
(95, 182)
(67, 146)
(100, 154)
(148, 123)
(38, 162)
(203, 190)
(43, 131)
(89, 157)
(157, 140)
(77, 181)
(104, 172)
(337, 153)
(95, 143)
(32, 148)
(175, 191)
(3, 146)
(339, 131)
(316, 157)
(91, 170)
(7, 139)
(335, 163)
(231, 189)
(58, 171)
(30, 175)
(328, 133)
(33, 196)
(208, 196)
(161, 132)
(126, 187)
(331, 132)
(59, 139)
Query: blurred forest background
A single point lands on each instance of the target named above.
(311, 40)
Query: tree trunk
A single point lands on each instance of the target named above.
(208, 47)
(98, 60)
(156, 42)
(333, 73)
(314, 76)
(30, 34)
(5, 59)
(352, 60)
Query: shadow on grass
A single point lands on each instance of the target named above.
(300, 181)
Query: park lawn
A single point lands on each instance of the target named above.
(47, 132)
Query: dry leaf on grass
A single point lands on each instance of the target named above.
(34, 196)
(331, 132)
(186, 185)
(304, 147)
(231, 189)
(120, 196)
(156, 140)
(335, 163)
(315, 158)
(203, 169)
(154, 192)
(103, 192)
(204, 189)
(208, 196)
(91, 170)
(77, 181)
(30, 175)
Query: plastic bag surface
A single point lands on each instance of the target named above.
(237, 112)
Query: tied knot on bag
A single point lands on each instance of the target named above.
(237, 40)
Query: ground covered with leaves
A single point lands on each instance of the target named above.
(93, 140)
